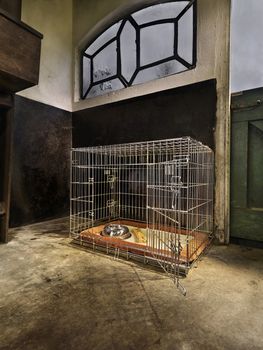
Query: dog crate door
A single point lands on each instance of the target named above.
(165, 214)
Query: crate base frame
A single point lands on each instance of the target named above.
(92, 239)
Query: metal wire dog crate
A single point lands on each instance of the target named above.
(151, 201)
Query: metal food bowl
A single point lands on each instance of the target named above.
(116, 230)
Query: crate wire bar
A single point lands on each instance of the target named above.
(163, 188)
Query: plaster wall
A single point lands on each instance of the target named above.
(213, 33)
(87, 15)
(53, 18)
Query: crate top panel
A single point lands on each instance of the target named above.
(180, 146)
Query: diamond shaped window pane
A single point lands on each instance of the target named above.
(157, 43)
(104, 88)
(159, 12)
(86, 74)
(105, 63)
(103, 39)
(128, 51)
(185, 36)
(159, 71)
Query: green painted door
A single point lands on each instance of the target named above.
(247, 166)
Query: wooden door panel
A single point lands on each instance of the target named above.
(247, 169)
(239, 165)
(247, 224)
(255, 165)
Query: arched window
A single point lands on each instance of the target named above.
(151, 43)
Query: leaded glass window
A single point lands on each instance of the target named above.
(149, 44)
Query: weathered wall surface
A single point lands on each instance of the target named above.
(213, 32)
(139, 119)
(87, 15)
(40, 179)
(52, 18)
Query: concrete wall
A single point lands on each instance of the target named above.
(213, 29)
(53, 18)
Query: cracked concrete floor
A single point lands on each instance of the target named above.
(56, 296)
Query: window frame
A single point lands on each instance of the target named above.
(128, 17)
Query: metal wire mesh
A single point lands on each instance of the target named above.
(164, 187)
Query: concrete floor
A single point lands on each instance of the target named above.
(55, 296)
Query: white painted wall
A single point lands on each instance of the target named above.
(52, 18)
(246, 45)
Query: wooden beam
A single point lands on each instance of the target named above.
(19, 55)
(7, 115)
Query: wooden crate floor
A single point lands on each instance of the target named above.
(196, 245)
